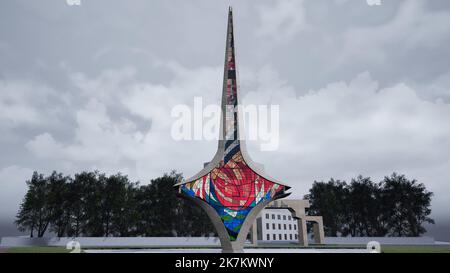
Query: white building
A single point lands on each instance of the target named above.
(276, 225)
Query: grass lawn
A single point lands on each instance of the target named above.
(37, 249)
(415, 249)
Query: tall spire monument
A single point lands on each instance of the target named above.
(231, 188)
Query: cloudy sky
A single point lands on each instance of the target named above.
(361, 89)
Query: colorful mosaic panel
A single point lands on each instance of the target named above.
(232, 189)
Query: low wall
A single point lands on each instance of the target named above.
(193, 241)
(381, 240)
(112, 241)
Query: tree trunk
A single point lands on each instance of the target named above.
(44, 228)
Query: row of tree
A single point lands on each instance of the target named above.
(94, 204)
(396, 206)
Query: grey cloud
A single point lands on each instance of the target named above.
(103, 77)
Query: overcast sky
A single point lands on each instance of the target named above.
(362, 89)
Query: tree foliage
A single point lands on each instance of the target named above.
(94, 204)
(395, 206)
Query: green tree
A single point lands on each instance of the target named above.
(330, 200)
(161, 205)
(119, 210)
(75, 205)
(406, 205)
(26, 218)
(396, 206)
(56, 202)
(34, 213)
(363, 207)
(193, 221)
(92, 205)
(163, 213)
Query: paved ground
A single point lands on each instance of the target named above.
(250, 250)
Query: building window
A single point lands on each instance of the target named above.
(273, 216)
(285, 236)
(279, 217)
(284, 217)
(290, 226)
(274, 237)
(268, 237)
(279, 226)
(290, 236)
(295, 227)
(267, 226)
(279, 236)
(273, 226)
(267, 216)
(289, 218)
(296, 236)
(285, 227)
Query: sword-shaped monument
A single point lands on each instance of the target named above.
(231, 188)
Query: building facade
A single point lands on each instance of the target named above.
(277, 225)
